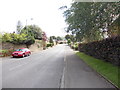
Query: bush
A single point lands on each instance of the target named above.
(74, 46)
(4, 53)
(18, 38)
(107, 49)
(69, 41)
(30, 40)
(50, 44)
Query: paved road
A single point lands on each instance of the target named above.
(52, 68)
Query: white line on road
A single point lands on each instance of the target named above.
(63, 75)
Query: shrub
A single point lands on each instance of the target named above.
(50, 44)
(107, 49)
(74, 46)
(4, 53)
(18, 38)
(69, 41)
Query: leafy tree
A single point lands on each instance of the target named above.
(30, 40)
(58, 38)
(67, 37)
(33, 30)
(6, 37)
(71, 37)
(69, 41)
(0, 37)
(51, 39)
(18, 38)
(85, 20)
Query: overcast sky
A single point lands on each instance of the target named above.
(45, 13)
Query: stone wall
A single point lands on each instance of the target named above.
(34, 47)
(7, 45)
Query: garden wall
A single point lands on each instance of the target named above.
(107, 49)
(7, 45)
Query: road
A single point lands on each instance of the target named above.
(56, 67)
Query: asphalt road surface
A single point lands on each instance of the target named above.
(56, 67)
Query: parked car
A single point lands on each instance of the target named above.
(22, 52)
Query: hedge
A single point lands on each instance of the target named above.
(107, 49)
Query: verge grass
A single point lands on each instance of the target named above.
(106, 69)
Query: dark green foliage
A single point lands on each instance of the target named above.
(69, 41)
(86, 19)
(49, 45)
(107, 49)
(51, 39)
(33, 30)
(74, 46)
(70, 37)
(58, 38)
(30, 40)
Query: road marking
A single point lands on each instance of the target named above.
(63, 75)
(63, 79)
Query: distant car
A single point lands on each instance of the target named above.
(22, 52)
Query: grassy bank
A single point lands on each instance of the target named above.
(106, 69)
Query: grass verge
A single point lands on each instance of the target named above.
(106, 69)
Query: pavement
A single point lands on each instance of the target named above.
(56, 67)
(79, 75)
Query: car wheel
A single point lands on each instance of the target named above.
(29, 54)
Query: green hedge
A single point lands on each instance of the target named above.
(107, 49)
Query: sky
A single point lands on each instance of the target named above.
(45, 14)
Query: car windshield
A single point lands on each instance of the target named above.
(19, 50)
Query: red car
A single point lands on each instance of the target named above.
(21, 52)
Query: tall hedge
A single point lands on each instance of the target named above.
(107, 49)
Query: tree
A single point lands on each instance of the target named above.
(19, 27)
(67, 37)
(72, 38)
(58, 38)
(0, 37)
(51, 39)
(33, 30)
(69, 41)
(7, 37)
(85, 20)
